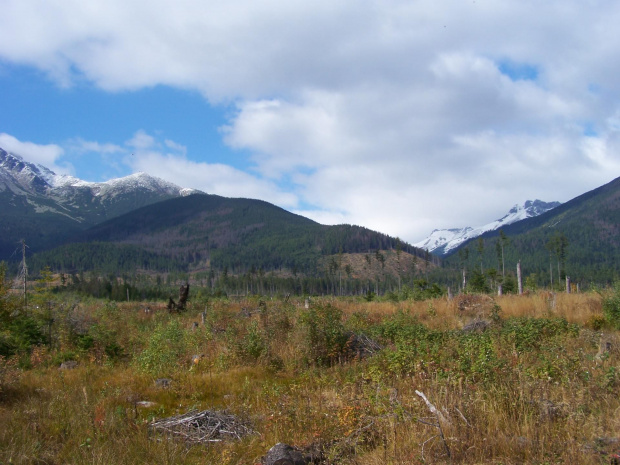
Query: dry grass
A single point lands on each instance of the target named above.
(513, 394)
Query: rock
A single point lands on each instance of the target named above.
(68, 365)
(606, 346)
(549, 410)
(476, 326)
(145, 404)
(522, 441)
(283, 454)
(163, 383)
(605, 441)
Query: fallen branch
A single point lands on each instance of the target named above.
(440, 419)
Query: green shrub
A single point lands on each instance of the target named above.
(528, 334)
(402, 327)
(22, 333)
(359, 321)
(18, 331)
(477, 356)
(478, 283)
(253, 345)
(611, 306)
(166, 346)
(85, 342)
(114, 351)
(370, 296)
(423, 290)
(324, 333)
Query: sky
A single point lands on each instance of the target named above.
(401, 116)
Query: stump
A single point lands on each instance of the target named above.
(183, 295)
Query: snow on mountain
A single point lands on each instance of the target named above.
(442, 241)
(23, 177)
(83, 201)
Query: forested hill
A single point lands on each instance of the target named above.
(581, 236)
(44, 208)
(207, 231)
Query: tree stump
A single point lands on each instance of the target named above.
(183, 295)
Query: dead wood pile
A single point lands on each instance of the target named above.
(475, 306)
(200, 427)
(473, 302)
(361, 346)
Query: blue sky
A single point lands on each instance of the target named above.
(400, 116)
(34, 105)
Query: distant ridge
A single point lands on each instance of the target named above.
(144, 223)
(204, 231)
(590, 223)
(44, 207)
(442, 242)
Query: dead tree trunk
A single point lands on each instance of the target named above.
(519, 280)
(183, 295)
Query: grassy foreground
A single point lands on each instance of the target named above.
(534, 380)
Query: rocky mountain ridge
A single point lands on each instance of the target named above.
(42, 207)
(442, 241)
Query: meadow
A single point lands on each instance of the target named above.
(505, 380)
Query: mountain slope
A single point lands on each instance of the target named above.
(591, 225)
(200, 231)
(442, 242)
(44, 208)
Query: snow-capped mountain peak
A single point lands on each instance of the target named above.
(47, 191)
(27, 176)
(442, 241)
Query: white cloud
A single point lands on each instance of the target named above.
(80, 145)
(168, 161)
(392, 114)
(141, 141)
(213, 178)
(46, 155)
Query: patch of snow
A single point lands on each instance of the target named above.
(446, 240)
(37, 181)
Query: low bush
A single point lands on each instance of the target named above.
(324, 334)
(526, 387)
(611, 306)
(166, 346)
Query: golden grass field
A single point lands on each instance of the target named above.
(538, 385)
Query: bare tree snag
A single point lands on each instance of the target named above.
(183, 295)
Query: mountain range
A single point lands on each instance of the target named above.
(589, 226)
(45, 208)
(143, 223)
(442, 242)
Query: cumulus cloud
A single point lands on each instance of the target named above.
(80, 145)
(402, 116)
(168, 160)
(47, 154)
